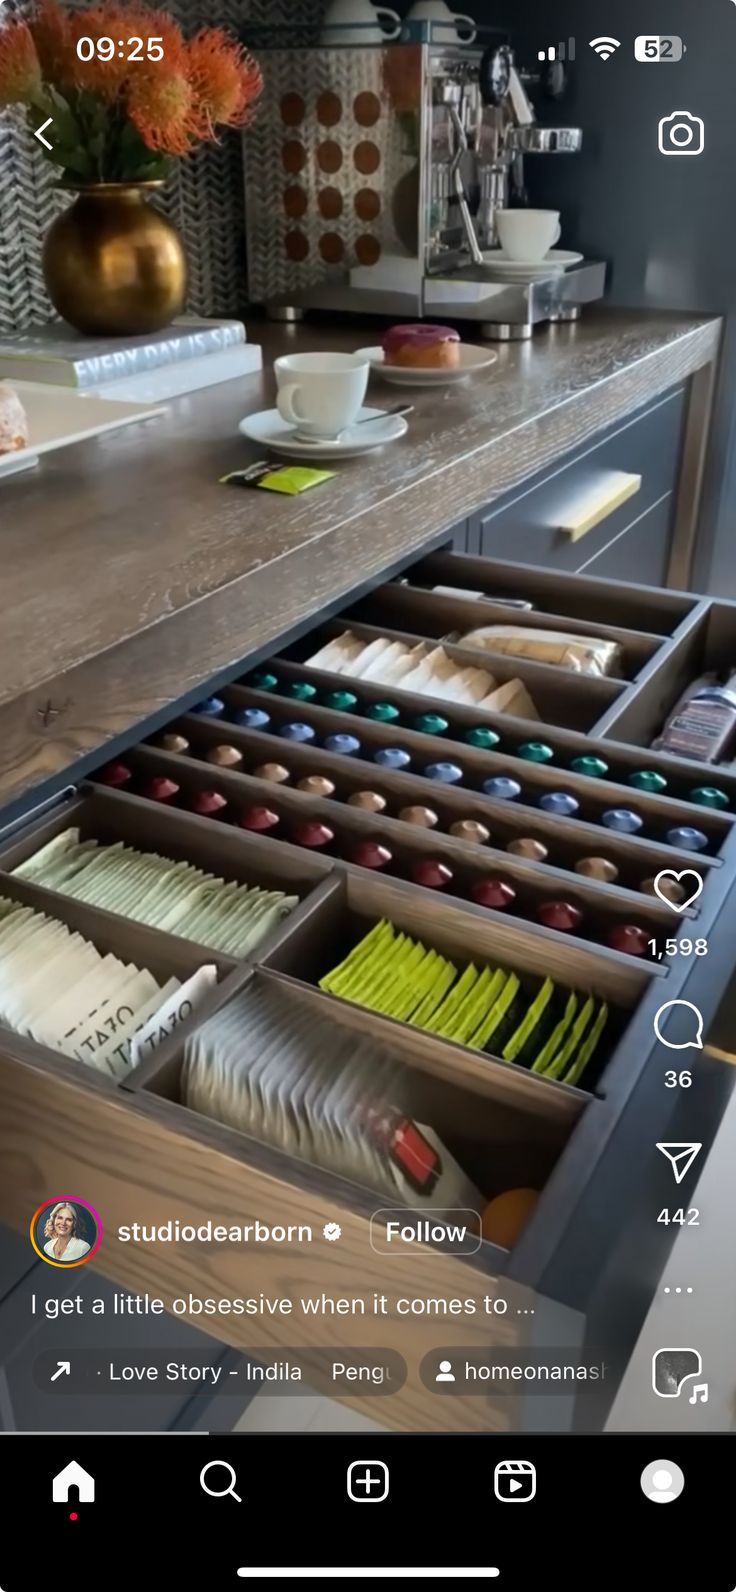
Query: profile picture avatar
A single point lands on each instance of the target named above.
(681, 133)
(66, 1231)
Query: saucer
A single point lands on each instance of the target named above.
(554, 263)
(270, 431)
(472, 359)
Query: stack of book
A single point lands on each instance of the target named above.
(187, 355)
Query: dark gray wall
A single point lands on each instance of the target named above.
(667, 226)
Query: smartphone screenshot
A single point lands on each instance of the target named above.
(367, 792)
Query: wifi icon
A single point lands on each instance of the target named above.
(605, 47)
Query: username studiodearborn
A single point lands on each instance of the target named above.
(176, 1232)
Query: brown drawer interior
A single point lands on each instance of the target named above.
(711, 648)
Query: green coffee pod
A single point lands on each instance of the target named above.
(535, 752)
(592, 767)
(648, 779)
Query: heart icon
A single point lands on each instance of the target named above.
(687, 873)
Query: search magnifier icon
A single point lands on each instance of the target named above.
(219, 1492)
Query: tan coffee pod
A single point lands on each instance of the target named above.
(673, 891)
(370, 800)
(316, 785)
(419, 815)
(529, 848)
(171, 742)
(272, 771)
(225, 756)
(597, 868)
(469, 829)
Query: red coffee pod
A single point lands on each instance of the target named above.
(114, 774)
(560, 915)
(369, 854)
(470, 830)
(629, 938)
(493, 893)
(160, 789)
(432, 875)
(312, 834)
(207, 803)
(259, 819)
(275, 772)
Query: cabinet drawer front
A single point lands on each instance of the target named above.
(643, 546)
(568, 518)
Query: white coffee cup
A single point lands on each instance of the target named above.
(320, 394)
(527, 235)
(358, 22)
(448, 27)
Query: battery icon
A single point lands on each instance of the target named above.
(659, 47)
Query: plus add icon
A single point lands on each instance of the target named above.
(368, 1481)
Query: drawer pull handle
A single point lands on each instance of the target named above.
(601, 498)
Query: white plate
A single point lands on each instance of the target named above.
(553, 264)
(59, 416)
(270, 431)
(472, 359)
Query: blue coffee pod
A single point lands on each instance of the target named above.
(392, 757)
(446, 773)
(297, 732)
(559, 802)
(212, 706)
(503, 789)
(687, 839)
(348, 745)
(251, 718)
(622, 820)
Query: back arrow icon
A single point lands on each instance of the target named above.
(40, 132)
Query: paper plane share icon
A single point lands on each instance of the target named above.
(681, 1157)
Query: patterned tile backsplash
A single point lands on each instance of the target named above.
(204, 195)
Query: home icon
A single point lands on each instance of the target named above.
(73, 1476)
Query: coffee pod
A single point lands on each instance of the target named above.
(669, 888)
(274, 772)
(432, 875)
(371, 801)
(395, 757)
(297, 732)
(560, 915)
(630, 939)
(622, 820)
(259, 819)
(535, 752)
(559, 802)
(340, 701)
(592, 767)
(115, 775)
(495, 894)
(529, 848)
(648, 779)
(316, 785)
(369, 854)
(262, 680)
(445, 773)
(171, 742)
(207, 803)
(344, 745)
(250, 718)
(423, 816)
(502, 789)
(381, 712)
(213, 706)
(485, 740)
(225, 756)
(469, 829)
(160, 789)
(597, 868)
(430, 724)
(687, 839)
(312, 834)
(709, 796)
(299, 690)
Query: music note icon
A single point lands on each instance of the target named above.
(699, 1393)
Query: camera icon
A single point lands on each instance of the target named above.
(681, 134)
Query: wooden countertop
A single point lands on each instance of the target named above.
(130, 575)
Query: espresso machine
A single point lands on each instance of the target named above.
(374, 175)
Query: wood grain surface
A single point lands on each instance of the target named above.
(131, 575)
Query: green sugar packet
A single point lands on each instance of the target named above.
(587, 1048)
(564, 1056)
(557, 1036)
(481, 1039)
(533, 1017)
(288, 478)
(467, 1017)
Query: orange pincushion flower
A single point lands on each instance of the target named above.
(53, 41)
(161, 107)
(225, 78)
(20, 71)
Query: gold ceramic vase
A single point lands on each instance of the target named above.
(113, 265)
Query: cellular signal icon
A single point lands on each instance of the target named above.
(558, 52)
(605, 48)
